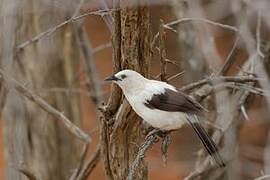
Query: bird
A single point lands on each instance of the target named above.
(164, 107)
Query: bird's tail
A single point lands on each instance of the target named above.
(206, 140)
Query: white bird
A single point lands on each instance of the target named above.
(163, 106)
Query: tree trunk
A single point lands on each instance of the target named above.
(121, 131)
(33, 138)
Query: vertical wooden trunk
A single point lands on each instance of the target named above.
(131, 45)
(32, 137)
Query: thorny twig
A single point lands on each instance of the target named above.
(76, 131)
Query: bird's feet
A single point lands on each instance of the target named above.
(156, 132)
(166, 141)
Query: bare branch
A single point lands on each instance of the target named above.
(59, 26)
(176, 75)
(262, 177)
(76, 131)
(229, 60)
(171, 62)
(24, 170)
(93, 84)
(244, 111)
(258, 35)
(155, 38)
(162, 52)
(90, 165)
(182, 20)
(102, 47)
(78, 170)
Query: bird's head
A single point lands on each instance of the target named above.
(127, 80)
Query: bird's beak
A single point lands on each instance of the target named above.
(112, 78)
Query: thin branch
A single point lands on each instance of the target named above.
(171, 62)
(149, 142)
(102, 47)
(205, 167)
(182, 20)
(210, 80)
(94, 88)
(175, 76)
(162, 52)
(244, 98)
(229, 60)
(78, 170)
(29, 174)
(153, 43)
(93, 84)
(108, 19)
(59, 26)
(258, 35)
(76, 131)
(90, 165)
(239, 86)
(262, 177)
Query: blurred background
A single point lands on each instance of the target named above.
(202, 39)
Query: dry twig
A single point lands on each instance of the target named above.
(93, 84)
(229, 60)
(90, 165)
(258, 35)
(220, 79)
(76, 131)
(182, 20)
(162, 52)
(24, 170)
(59, 26)
(262, 177)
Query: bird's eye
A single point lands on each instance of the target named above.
(123, 76)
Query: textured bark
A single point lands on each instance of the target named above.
(131, 45)
(32, 137)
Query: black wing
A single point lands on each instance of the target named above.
(174, 101)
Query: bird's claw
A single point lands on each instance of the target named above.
(164, 147)
(155, 132)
